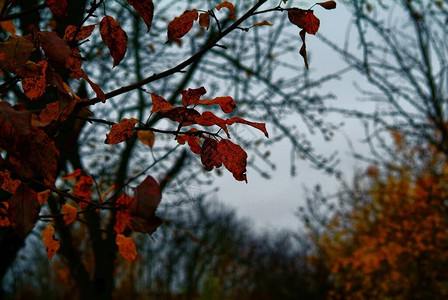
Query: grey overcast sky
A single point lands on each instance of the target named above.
(272, 203)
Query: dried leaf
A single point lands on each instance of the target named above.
(126, 247)
(303, 48)
(208, 118)
(262, 23)
(56, 49)
(83, 190)
(145, 9)
(34, 87)
(227, 103)
(259, 126)
(4, 220)
(121, 131)
(304, 19)
(147, 198)
(328, 4)
(181, 25)
(114, 37)
(234, 158)
(57, 7)
(42, 197)
(70, 213)
(7, 183)
(210, 155)
(23, 211)
(159, 104)
(14, 53)
(81, 33)
(230, 7)
(182, 115)
(73, 175)
(147, 137)
(192, 96)
(51, 244)
(122, 219)
(204, 20)
(8, 26)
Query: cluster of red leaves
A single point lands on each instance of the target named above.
(39, 60)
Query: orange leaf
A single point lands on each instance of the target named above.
(51, 244)
(159, 104)
(262, 23)
(81, 33)
(227, 103)
(42, 197)
(234, 158)
(304, 19)
(230, 7)
(328, 4)
(204, 20)
(70, 213)
(259, 126)
(192, 96)
(122, 219)
(73, 175)
(147, 137)
(83, 189)
(181, 25)
(57, 7)
(192, 141)
(34, 87)
(8, 26)
(145, 9)
(4, 220)
(210, 155)
(208, 118)
(114, 37)
(121, 131)
(126, 247)
(7, 183)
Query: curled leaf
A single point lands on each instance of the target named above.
(192, 96)
(51, 244)
(114, 37)
(304, 19)
(259, 126)
(145, 9)
(70, 213)
(126, 247)
(226, 103)
(262, 23)
(230, 7)
(181, 25)
(328, 4)
(121, 131)
(303, 48)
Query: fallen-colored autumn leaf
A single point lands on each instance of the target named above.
(230, 7)
(51, 244)
(121, 131)
(181, 25)
(304, 19)
(147, 137)
(70, 213)
(145, 9)
(126, 247)
(114, 37)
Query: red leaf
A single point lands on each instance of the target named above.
(192, 141)
(57, 7)
(32, 153)
(207, 118)
(34, 87)
(121, 131)
(304, 19)
(114, 37)
(192, 96)
(23, 210)
(159, 104)
(182, 115)
(83, 190)
(259, 126)
(328, 4)
(234, 158)
(230, 7)
(81, 33)
(204, 20)
(56, 49)
(7, 183)
(227, 103)
(14, 53)
(210, 155)
(70, 213)
(145, 9)
(147, 198)
(181, 25)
